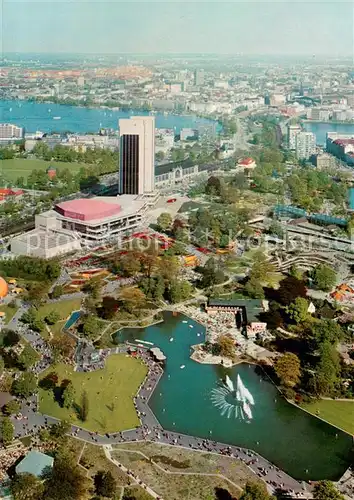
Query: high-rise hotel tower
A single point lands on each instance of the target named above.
(137, 155)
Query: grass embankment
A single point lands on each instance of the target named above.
(180, 477)
(110, 394)
(21, 167)
(64, 308)
(9, 311)
(338, 413)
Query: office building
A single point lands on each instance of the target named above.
(10, 132)
(293, 130)
(305, 145)
(137, 155)
(199, 77)
(324, 161)
(277, 100)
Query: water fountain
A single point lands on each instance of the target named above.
(233, 401)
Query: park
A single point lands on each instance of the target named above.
(22, 167)
(110, 393)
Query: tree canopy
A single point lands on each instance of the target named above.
(287, 368)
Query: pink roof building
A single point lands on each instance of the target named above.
(87, 209)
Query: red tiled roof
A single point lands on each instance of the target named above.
(246, 161)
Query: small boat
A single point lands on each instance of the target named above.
(182, 366)
(191, 326)
(10, 109)
(56, 117)
(49, 110)
(171, 339)
(144, 342)
(184, 321)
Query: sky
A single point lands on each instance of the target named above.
(281, 27)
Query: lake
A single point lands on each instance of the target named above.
(301, 444)
(321, 129)
(39, 116)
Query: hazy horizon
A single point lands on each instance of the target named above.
(280, 28)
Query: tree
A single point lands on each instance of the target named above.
(49, 382)
(90, 326)
(213, 186)
(109, 307)
(105, 484)
(28, 357)
(132, 299)
(254, 289)
(68, 395)
(324, 277)
(129, 264)
(298, 310)
(10, 338)
(26, 487)
(276, 229)
(255, 491)
(6, 430)
(164, 221)
(52, 317)
(295, 272)
(212, 274)
(168, 267)
(93, 288)
(289, 289)
(57, 291)
(66, 481)
(262, 268)
(287, 368)
(84, 406)
(62, 346)
(25, 385)
(327, 370)
(226, 345)
(12, 407)
(58, 431)
(325, 490)
(179, 291)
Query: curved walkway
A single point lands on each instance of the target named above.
(150, 429)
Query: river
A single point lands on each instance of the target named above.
(35, 116)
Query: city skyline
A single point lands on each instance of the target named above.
(276, 28)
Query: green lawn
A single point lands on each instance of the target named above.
(20, 167)
(63, 307)
(338, 413)
(9, 311)
(110, 393)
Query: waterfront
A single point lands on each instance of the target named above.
(35, 116)
(320, 129)
(302, 445)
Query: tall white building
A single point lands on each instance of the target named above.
(305, 145)
(199, 77)
(9, 131)
(293, 130)
(137, 155)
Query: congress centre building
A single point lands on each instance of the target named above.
(72, 224)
